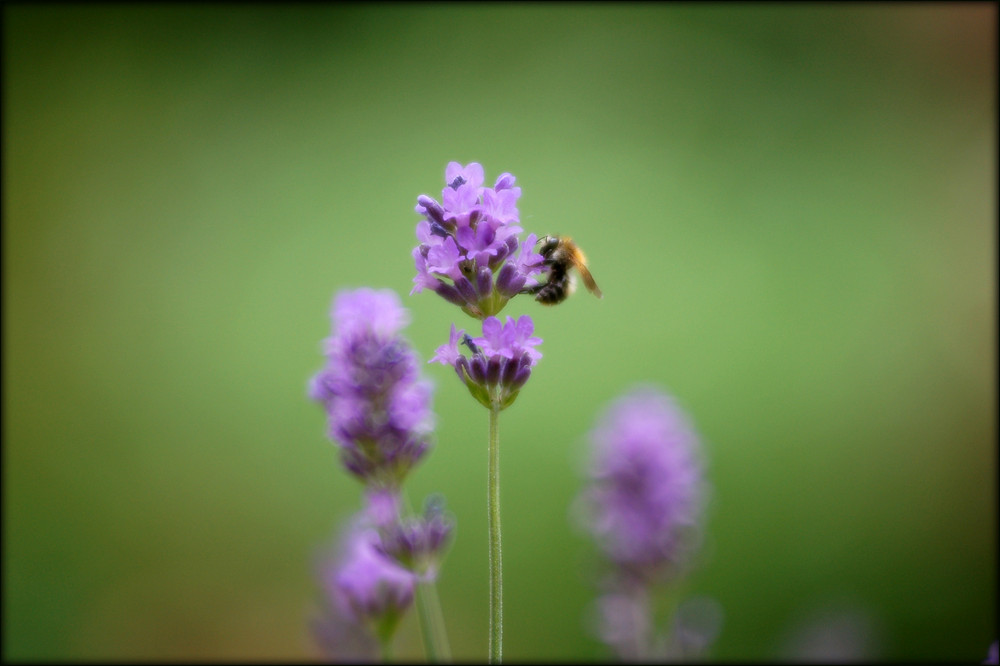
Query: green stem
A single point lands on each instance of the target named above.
(436, 620)
(496, 568)
(640, 635)
(386, 648)
(429, 612)
(430, 651)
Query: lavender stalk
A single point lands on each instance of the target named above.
(470, 254)
(498, 367)
(496, 552)
(379, 415)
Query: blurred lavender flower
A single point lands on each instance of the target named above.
(379, 412)
(365, 595)
(418, 543)
(341, 638)
(378, 409)
(645, 491)
(992, 656)
(469, 251)
(695, 626)
(838, 631)
(622, 620)
(642, 505)
(381, 506)
(500, 362)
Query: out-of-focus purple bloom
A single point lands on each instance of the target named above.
(341, 638)
(371, 584)
(468, 244)
(621, 619)
(643, 501)
(418, 543)
(696, 624)
(378, 408)
(382, 506)
(364, 590)
(832, 633)
(992, 655)
(369, 311)
(643, 506)
(500, 361)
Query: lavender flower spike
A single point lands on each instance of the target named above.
(418, 543)
(468, 244)
(642, 504)
(366, 594)
(378, 408)
(500, 362)
(644, 498)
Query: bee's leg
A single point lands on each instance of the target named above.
(533, 289)
(538, 287)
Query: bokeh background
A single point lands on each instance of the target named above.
(791, 210)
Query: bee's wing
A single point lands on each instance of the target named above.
(588, 279)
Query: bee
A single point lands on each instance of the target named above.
(560, 254)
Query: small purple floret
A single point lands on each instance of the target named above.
(363, 583)
(418, 543)
(500, 362)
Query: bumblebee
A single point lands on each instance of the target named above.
(560, 254)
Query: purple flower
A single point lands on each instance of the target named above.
(643, 505)
(500, 361)
(364, 591)
(524, 268)
(623, 618)
(418, 543)
(501, 204)
(341, 638)
(462, 191)
(369, 583)
(511, 340)
(622, 621)
(468, 244)
(381, 507)
(644, 496)
(448, 354)
(992, 655)
(377, 311)
(378, 408)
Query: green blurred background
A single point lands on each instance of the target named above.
(791, 211)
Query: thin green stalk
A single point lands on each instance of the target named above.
(430, 651)
(432, 623)
(436, 620)
(386, 648)
(496, 568)
(641, 634)
(431, 619)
